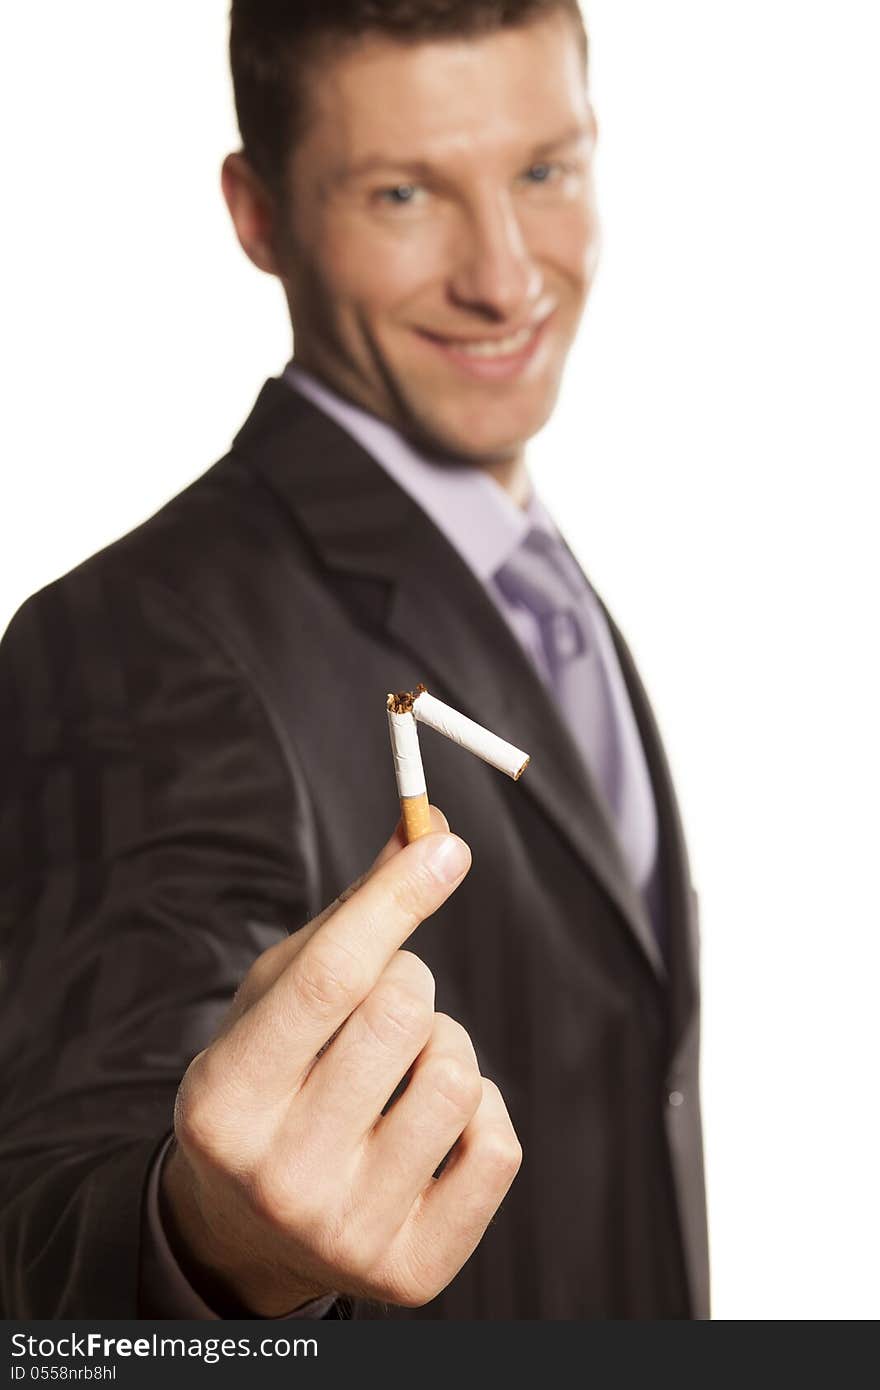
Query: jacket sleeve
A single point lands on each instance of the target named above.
(152, 844)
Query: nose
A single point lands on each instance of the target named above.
(494, 272)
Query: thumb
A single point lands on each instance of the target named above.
(269, 965)
(396, 843)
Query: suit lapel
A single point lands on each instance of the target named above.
(678, 891)
(358, 521)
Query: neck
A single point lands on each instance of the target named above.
(511, 474)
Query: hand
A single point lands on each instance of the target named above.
(286, 1179)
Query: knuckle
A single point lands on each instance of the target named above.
(410, 967)
(492, 1093)
(329, 979)
(410, 1284)
(413, 892)
(405, 1293)
(399, 1011)
(454, 1037)
(195, 1122)
(206, 1077)
(499, 1154)
(456, 1082)
(208, 1117)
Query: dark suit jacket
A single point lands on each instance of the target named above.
(195, 760)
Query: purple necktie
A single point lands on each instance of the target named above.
(543, 577)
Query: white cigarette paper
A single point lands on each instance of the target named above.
(407, 755)
(470, 735)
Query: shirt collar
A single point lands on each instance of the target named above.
(472, 510)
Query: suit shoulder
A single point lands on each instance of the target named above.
(213, 526)
(222, 528)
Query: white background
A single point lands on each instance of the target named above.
(713, 458)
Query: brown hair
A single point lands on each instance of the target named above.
(271, 42)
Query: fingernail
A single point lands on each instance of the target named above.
(449, 858)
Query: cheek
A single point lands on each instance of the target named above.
(376, 271)
(568, 242)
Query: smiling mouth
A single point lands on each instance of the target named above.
(490, 347)
(512, 349)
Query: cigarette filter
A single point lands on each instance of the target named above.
(408, 770)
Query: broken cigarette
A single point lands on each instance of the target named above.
(408, 770)
(403, 711)
(466, 732)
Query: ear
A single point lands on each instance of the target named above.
(252, 210)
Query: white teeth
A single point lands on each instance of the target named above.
(500, 347)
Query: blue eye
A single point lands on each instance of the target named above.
(400, 195)
(541, 173)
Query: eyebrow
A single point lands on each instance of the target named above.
(378, 163)
(424, 169)
(570, 137)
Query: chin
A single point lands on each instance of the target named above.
(463, 447)
(484, 437)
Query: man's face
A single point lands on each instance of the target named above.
(440, 234)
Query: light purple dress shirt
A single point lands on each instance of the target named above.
(478, 518)
(484, 525)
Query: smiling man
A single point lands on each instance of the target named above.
(436, 249)
(210, 1109)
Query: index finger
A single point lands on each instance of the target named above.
(273, 1045)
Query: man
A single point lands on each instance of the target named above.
(198, 763)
